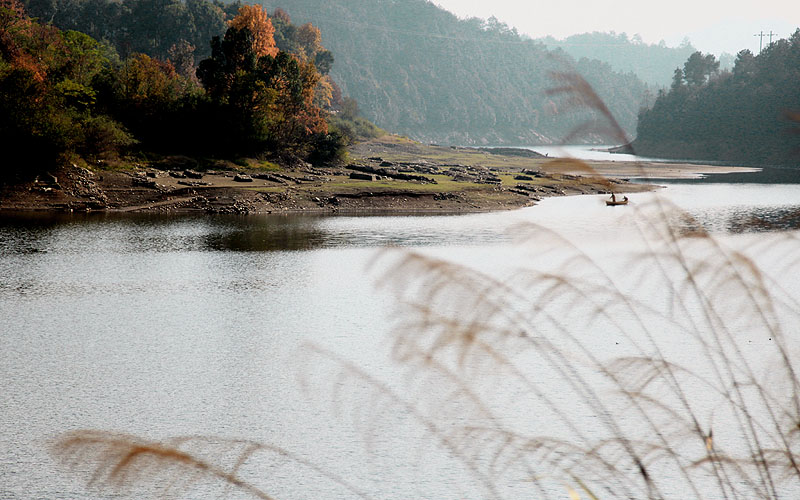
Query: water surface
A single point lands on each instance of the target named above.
(166, 326)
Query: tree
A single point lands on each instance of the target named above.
(745, 65)
(309, 41)
(739, 116)
(209, 21)
(324, 61)
(229, 55)
(284, 31)
(699, 68)
(181, 56)
(158, 25)
(677, 79)
(255, 19)
(265, 102)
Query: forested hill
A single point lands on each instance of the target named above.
(417, 69)
(653, 63)
(748, 115)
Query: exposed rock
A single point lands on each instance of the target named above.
(384, 172)
(242, 178)
(362, 176)
(144, 182)
(445, 196)
(269, 177)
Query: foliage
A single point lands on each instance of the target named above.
(699, 68)
(254, 18)
(65, 93)
(737, 116)
(349, 123)
(420, 71)
(266, 101)
(47, 96)
(151, 27)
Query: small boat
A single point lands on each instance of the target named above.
(613, 202)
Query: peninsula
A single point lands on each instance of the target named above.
(390, 173)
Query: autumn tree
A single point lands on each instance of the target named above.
(47, 96)
(255, 19)
(309, 40)
(264, 102)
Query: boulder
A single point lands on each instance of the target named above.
(362, 176)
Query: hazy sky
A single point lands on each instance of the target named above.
(711, 25)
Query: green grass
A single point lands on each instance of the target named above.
(266, 165)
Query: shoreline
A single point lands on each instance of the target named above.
(390, 175)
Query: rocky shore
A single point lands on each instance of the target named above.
(390, 174)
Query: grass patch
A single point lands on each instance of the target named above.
(267, 166)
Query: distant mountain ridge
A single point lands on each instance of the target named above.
(421, 71)
(653, 63)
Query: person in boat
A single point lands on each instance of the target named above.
(625, 199)
(613, 198)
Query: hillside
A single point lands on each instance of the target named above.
(748, 115)
(653, 63)
(418, 70)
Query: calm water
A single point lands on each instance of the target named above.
(589, 152)
(174, 326)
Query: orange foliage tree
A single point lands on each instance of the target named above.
(309, 39)
(22, 42)
(255, 19)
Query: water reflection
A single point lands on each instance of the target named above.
(767, 175)
(174, 325)
(726, 208)
(115, 233)
(739, 208)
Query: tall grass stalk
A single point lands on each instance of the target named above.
(563, 376)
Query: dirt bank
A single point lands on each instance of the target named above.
(389, 174)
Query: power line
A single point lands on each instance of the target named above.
(760, 36)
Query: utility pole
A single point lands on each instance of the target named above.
(771, 34)
(760, 36)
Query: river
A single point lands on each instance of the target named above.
(213, 326)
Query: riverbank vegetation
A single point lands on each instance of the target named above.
(262, 91)
(745, 115)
